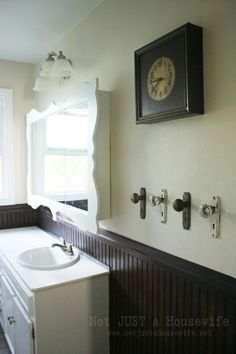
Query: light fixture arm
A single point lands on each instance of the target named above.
(61, 55)
(50, 56)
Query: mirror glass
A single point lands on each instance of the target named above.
(61, 156)
(68, 157)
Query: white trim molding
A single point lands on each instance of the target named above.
(7, 192)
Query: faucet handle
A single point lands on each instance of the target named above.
(69, 248)
(63, 241)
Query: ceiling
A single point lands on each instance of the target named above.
(30, 28)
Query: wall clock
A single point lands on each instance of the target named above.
(169, 76)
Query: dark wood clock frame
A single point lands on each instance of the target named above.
(184, 47)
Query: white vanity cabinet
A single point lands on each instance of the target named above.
(1, 314)
(17, 325)
(63, 311)
(7, 310)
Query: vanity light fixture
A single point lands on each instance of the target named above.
(55, 66)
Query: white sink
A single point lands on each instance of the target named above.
(47, 258)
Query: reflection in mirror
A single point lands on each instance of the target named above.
(61, 156)
(69, 157)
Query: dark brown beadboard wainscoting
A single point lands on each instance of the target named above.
(159, 303)
(19, 215)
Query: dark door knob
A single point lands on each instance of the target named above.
(184, 206)
(135, 198)
(179, 205)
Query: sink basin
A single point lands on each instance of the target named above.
(47, 258)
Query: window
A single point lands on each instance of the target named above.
(6, 160)
(65, 159)
(61, 166)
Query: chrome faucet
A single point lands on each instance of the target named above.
(66, 247)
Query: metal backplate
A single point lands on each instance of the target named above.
(163, 206)
(142, 203)
(215, 217)
(187, 211)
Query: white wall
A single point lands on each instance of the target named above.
(195, 155)
(18, 77)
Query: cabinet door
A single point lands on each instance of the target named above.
(1, 313)
(23, 330)
(8, 314)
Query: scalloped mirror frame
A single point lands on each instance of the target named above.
(98, 158)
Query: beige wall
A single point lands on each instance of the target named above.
(18, 77)
(197, 154)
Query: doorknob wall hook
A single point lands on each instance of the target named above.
(162, 201)
(185, 206)
(135, 198)
(212, 211)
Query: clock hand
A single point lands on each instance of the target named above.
(157, 79)
(157, 83)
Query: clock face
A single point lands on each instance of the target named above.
(161, 79)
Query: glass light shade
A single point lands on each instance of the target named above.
(47, 67)
(42, 84)
(62, 67)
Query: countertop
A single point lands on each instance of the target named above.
(15, 241)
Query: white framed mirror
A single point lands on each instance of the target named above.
(69, 157)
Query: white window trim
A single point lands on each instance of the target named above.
(6, 136)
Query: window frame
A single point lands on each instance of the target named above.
(41, 151)
(6, 147)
